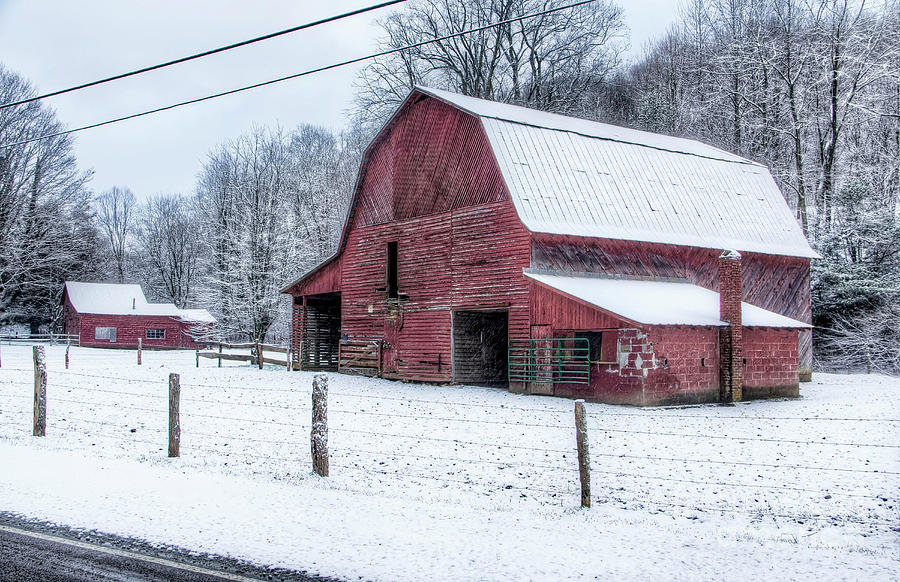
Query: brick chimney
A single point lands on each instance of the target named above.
(731, 345)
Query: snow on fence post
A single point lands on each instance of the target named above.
(319, 431)
(40, 392)
(140, 349)
(174, 413)
(68, 345)
(584, 456)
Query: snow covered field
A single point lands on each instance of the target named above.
(450, 482)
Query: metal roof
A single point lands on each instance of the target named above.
(578, 177)
(658, 302)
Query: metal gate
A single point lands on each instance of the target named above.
(550, 360)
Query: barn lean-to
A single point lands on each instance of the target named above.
(488, 243)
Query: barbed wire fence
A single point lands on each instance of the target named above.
(489, 450)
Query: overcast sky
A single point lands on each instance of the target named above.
(59, 43)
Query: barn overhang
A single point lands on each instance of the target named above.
(323, 278)
(645, 302)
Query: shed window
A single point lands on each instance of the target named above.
(105, 333)
(391, 283)
(602, 345)
(156, 334)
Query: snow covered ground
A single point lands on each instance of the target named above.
(457, 482)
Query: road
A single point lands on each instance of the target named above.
(34, 552)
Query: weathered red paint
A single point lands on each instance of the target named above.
(129, 328)
(430, 182)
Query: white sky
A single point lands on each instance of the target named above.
(59, 43)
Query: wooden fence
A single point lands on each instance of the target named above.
(362, 357)
(257, 355)
(42, 338)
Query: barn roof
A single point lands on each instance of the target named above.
(197, 316)
(578, 177)
(125, 299)
(657, 302)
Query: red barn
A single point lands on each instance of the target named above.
(116, 316)
(492, 244)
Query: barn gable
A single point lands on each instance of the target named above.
(430, 158)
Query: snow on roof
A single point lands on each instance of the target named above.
(125, 299)
(197, 316)
(586, 127)
(579, 177)
(658, 302)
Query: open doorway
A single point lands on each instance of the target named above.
(321, 332)
(480, 341)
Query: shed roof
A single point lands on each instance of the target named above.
(578, 177)
(197, 316)
(125, 299)
(657, 302)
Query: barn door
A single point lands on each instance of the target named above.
(390, 353)
(480, 347)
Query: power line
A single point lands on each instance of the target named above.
(202, 54)
(297, 75)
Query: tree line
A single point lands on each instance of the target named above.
(811, 88)
(267, 206)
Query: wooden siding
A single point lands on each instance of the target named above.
(463, 259)
(325, 279)
(131, 327)
(434, 159)
(551, 308)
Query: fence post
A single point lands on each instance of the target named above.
(220, 354)
(259, 355)
(40, 392)
(174, 413)
(197, 357)
(140, 349)
(319, 431)
(68, 345)
(584, 456)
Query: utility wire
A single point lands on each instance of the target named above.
(202, 54)
(296, 75)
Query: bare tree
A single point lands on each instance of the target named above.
(547, 62)
(46, 235)
(170, 247)
(116, 214)
(860, 46)
(242, 195)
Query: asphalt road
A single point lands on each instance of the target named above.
(31, 551)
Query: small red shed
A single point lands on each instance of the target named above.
(492, 244)
(116, 315)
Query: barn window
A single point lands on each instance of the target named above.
(602, 345)
(391, 286)
(105, 333)
(156, 334)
